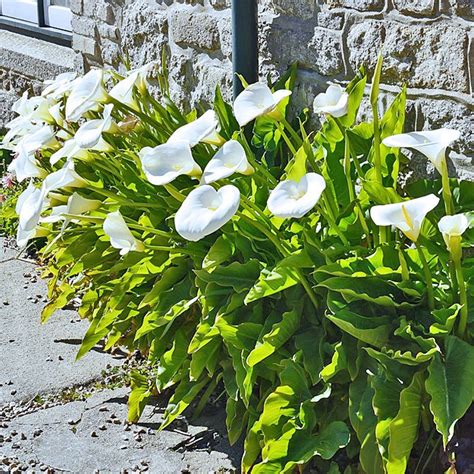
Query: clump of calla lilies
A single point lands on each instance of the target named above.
(104, 155)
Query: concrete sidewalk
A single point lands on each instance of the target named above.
(89, 434)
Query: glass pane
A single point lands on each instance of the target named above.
(58, 14)
(25, 10)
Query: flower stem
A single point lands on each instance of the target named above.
(327, 214)
(253, 162)
(377, 157)
(175, 250)
(161, 233)
(462, 299)
(293, 133)
(287, 139)
(347, 169)
(428, 278)
(125, 202)
(447, 195)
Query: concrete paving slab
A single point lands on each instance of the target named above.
(36, 358)
(92, 436)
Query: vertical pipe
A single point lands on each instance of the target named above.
(41, 12)
(244, 42)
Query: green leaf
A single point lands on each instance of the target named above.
(221, 250)
(374, 92)
(271, 282)
(404, 427)
(236, 419)
(374, 331)
(185, 393)
(451, 385)
(239, 276)
(364, 421)
(338, 363)
(297, 447)
(138, 397)
(310, 343)
(370, 289)
(272, 341)
(296, 168)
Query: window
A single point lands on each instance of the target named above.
(44, 19)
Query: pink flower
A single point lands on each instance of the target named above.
(8, 181)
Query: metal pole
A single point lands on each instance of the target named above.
(244, 42)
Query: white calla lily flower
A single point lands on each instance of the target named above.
(230, 159)
(42, 137)
(89, 134)
(123, 90)
(166, 162)
(295, 199)
(206, 210)
(333, 102)
(87, 94)
(76, 205)
(204, 129)
(66, 177)
(56, 114)
(406, 216)
(59, 86)
(432, 144)
(257, 100)
(24, 165)
(69, 151)
(452, 228)
(119, 234)
(29, 207)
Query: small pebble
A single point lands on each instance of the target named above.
(94, 435)
(102, 427)
(124, 446)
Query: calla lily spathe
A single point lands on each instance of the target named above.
(120, 236)
(452, 228)
(89, 134)
(333, 102)
(204, 129)
(66, 177)
(69, 150)
(432, 144)
(230, 159)
(295, 199)
(29, 207)
(76, 205)
(406, 216)
(257, 100)
(87, 94)
(166, 162)
(24, 165)
(123, 91)
(206, 210)
(59, 86)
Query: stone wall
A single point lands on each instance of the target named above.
(427, 44)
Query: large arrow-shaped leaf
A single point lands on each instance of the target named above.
(451, 385)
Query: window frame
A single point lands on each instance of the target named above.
(40, 30)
